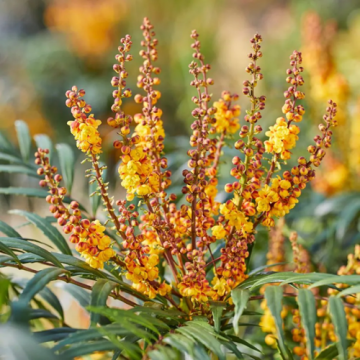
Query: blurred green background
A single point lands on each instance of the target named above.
(46, 46)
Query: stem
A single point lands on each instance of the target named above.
(113, 294)
(105, 196)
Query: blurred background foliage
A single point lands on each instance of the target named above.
(46, 46)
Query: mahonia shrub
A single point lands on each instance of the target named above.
(183, 235)
(204, 244)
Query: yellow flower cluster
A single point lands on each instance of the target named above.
(137, 174)
(282, 138)
(86, 135)
(84, 128)
(184, 235)
(226, 117)
(236, 217)
(197, 290)
(146, 133)
(277, 200)
(93, 244)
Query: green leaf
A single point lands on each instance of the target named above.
(39, 281)
(4, 291)
(8, 230)
(119, 315)
(130, 349)
(95, 200)
(51, 232)
(336, 279)
(18, 169)
(164, 353)
(307, 278)
(307, 308)
(347, 216)
(338, 316)
(80, 336)
(41, 313)
(24, 139)
(53, 334)
(217, 309)
(331, 351)
(10, 158)
(32, 248)
(261, 268)
(6, 250)
(273, 296)
(67, 161)
(349, 291)
(99, 295)
(43, 141)
(233, 348)
(52, 300)
(236, 339)
(261, 279)
(5, 145)
(180, 342)
(80, 264)
(80, 295)
(240, 298)
(88, 348)
(31, 192)
(204, 337)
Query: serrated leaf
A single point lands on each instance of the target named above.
(6, 250)
(338, 316)
(119, 315)
(8, 230)
(67, 162)
(217, 309)
(233, 348)
(88, 348)
(29, 247)
(39, 281)
(99, 295)
(82, 335)
(24, 139)
(204, 337)
(273, 296)
(53, 334)
(78, 263)
(307, 278)
(349, 291)
(236, 339)
(180, 342)
(240, 298)
(51, 232)
(343, 279)
(44, 142)
(128, 348)
(307, 309)
(331, 351)
(41, 313)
